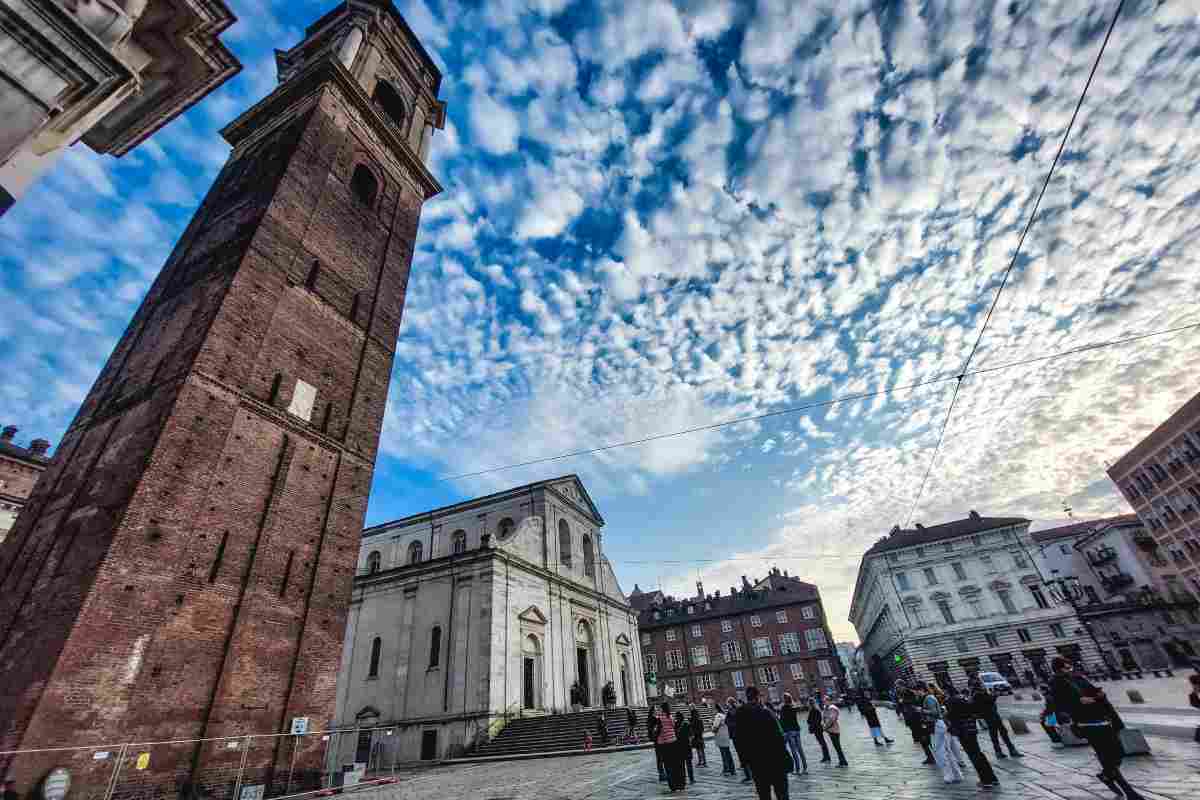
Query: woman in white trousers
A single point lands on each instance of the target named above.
(947, 751)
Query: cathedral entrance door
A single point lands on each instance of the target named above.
(624, 685)
(581, 658)
(530, 700)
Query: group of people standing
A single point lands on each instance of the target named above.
(675, 739)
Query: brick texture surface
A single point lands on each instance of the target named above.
(183, 568)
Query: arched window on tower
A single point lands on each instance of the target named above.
(589, 558)
(435, 646)
(564, 543)
(364, 185)
(506, 528)
(414, 553)
(376, 647)
(459, 542)
(373, 562)
(390, 103)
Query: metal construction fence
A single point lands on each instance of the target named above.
(244, 767)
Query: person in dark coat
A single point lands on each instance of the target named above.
(963, 721)
(1091, 716)
(789, 720)
(816, 727)
(697, 728)
(652, 730)
(910, 710)
(683, 745)
(764, 744)
(731, 709)
(602, 731)
(630, 726)
(985, 708)
(867, 709)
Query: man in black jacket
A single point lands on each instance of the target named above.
(763, 744)
(816, 726)
(1091, 717)
(985, 708)
(963, 722)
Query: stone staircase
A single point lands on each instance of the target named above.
(558, 732)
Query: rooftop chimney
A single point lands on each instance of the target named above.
(8, 433)
(39, 447)
(920, 527)
(732, 591)
(699, 590)
(974, 514)
(717, 594)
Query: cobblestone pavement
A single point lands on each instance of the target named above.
(1046, 773)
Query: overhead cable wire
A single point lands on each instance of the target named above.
(1012, 264)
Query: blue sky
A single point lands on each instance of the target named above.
(661, 216)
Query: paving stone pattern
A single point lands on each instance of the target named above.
(1046, 773)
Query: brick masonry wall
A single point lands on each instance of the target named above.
(184, 567)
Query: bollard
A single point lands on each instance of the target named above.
(1018, 725)
(1135, 696)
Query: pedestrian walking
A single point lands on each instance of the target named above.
(909, 708)
(630, 726)
(667, 743)
(816, 728)
(833, 729)
(683, 745)
(789, 720)
(944, 745)
(602, 731)
(985, 708)
(697, 729)
(871, 716)
(731, 719)
(1086, 708)
(764, 744)
(963, 720)
(723, 741)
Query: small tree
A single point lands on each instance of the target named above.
(608, 695)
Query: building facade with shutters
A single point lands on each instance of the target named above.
(1126, 591)
(772, 634)
(944, 602)
(1160, 477)
(491, 606)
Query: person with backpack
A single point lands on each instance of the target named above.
(1087, 710)
(723, 740)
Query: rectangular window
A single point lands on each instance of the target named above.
(825, 668)
(959, 572)
(732, 651)
(738, 681)
(646, 639)
(1023, 635)
(651, 660)
(815, 638)
(1038, 597)
(1065, 549)
(755, 622)
(920, 552)
(789, 643)
(674, 659)
(976, 607)
(902, 581)
(695, 631)
(1056, 629)
(961, 645)
(948, 547)
(992, 640)
(726, 626)
(1006, 601)
(1019, 561)
(670, 634)
(781, 616)
(797, 671)
(947, 614)
(706, 682)
(761, 646)
(930, 577)
(808, 612)
(691, 609)
(677, 687)
(768, 674)
(699, 656)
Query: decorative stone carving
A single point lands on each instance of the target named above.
(351, 43)
(107, 20)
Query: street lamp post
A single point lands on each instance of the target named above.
(1068, 589)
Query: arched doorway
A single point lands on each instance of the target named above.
(625, 679)
(531, 673)
(584, 669)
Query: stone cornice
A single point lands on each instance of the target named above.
(323, 71)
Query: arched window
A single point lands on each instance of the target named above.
(390, 103)
(414, 553)
(373, 562)
(564, 543)
(459, 542)
(435, 646)
(506, 528)
(364, 185)
(589, 558)
(373, 669)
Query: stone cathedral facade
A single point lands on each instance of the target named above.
(184, 566)
(491, 606)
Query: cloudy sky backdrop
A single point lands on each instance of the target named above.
(676, 213)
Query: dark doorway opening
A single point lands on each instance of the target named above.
(581, 659)
(362, 752)
(529, 697)
(429, 745)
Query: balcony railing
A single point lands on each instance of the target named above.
(1102, 555)
(1117, 581)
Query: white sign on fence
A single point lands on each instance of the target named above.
(299, 726)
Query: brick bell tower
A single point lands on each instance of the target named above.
(184, 566)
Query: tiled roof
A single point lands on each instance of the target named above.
(1076, 529)
(901, 537)
(788, 591)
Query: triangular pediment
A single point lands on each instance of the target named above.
(367, 711)
(572, 488)
(532, 614)
(622, 639)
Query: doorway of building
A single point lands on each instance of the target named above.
(429, 745)
(581, 659)
(624, 679)
(528, 698)
(362, 750)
